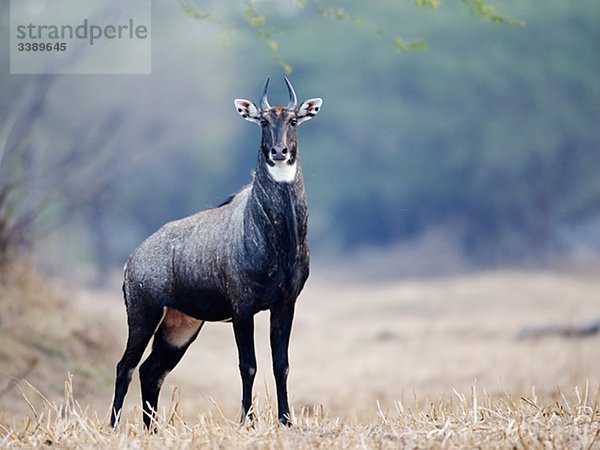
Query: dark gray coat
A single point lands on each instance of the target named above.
(250, 252)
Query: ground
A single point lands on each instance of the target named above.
(444, 361)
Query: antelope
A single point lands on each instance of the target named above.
(247, 255)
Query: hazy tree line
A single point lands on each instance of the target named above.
(492, 131)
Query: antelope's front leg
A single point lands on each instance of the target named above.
(243, 328)
(281, 327)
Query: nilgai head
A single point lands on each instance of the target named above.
(279, 124)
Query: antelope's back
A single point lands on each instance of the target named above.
(188, 252)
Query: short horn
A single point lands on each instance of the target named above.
(293, 100)
(264, 102)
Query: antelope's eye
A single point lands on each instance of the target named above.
(264, 122)
(294, 122)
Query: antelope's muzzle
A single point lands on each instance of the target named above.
(279, 153)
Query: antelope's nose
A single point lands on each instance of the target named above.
(279, 153)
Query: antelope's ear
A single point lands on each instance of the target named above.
(247, 110)
(309, 109)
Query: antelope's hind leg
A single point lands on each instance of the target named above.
(141, 326)
(171, 340)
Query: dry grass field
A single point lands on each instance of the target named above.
(421, 363)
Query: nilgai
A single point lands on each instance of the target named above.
(250, 254)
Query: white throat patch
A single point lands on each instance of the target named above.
(282, 172)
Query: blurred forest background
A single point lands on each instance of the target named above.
(444, 132)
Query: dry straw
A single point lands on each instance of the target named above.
(458, 422)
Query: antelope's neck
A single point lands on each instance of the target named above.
(279, 208)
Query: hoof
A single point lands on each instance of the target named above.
(247, 420)
(284, 421)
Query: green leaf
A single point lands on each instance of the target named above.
(336, 12)
(196, 13)
(489, 12)
(402, 46)
(433, 4)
